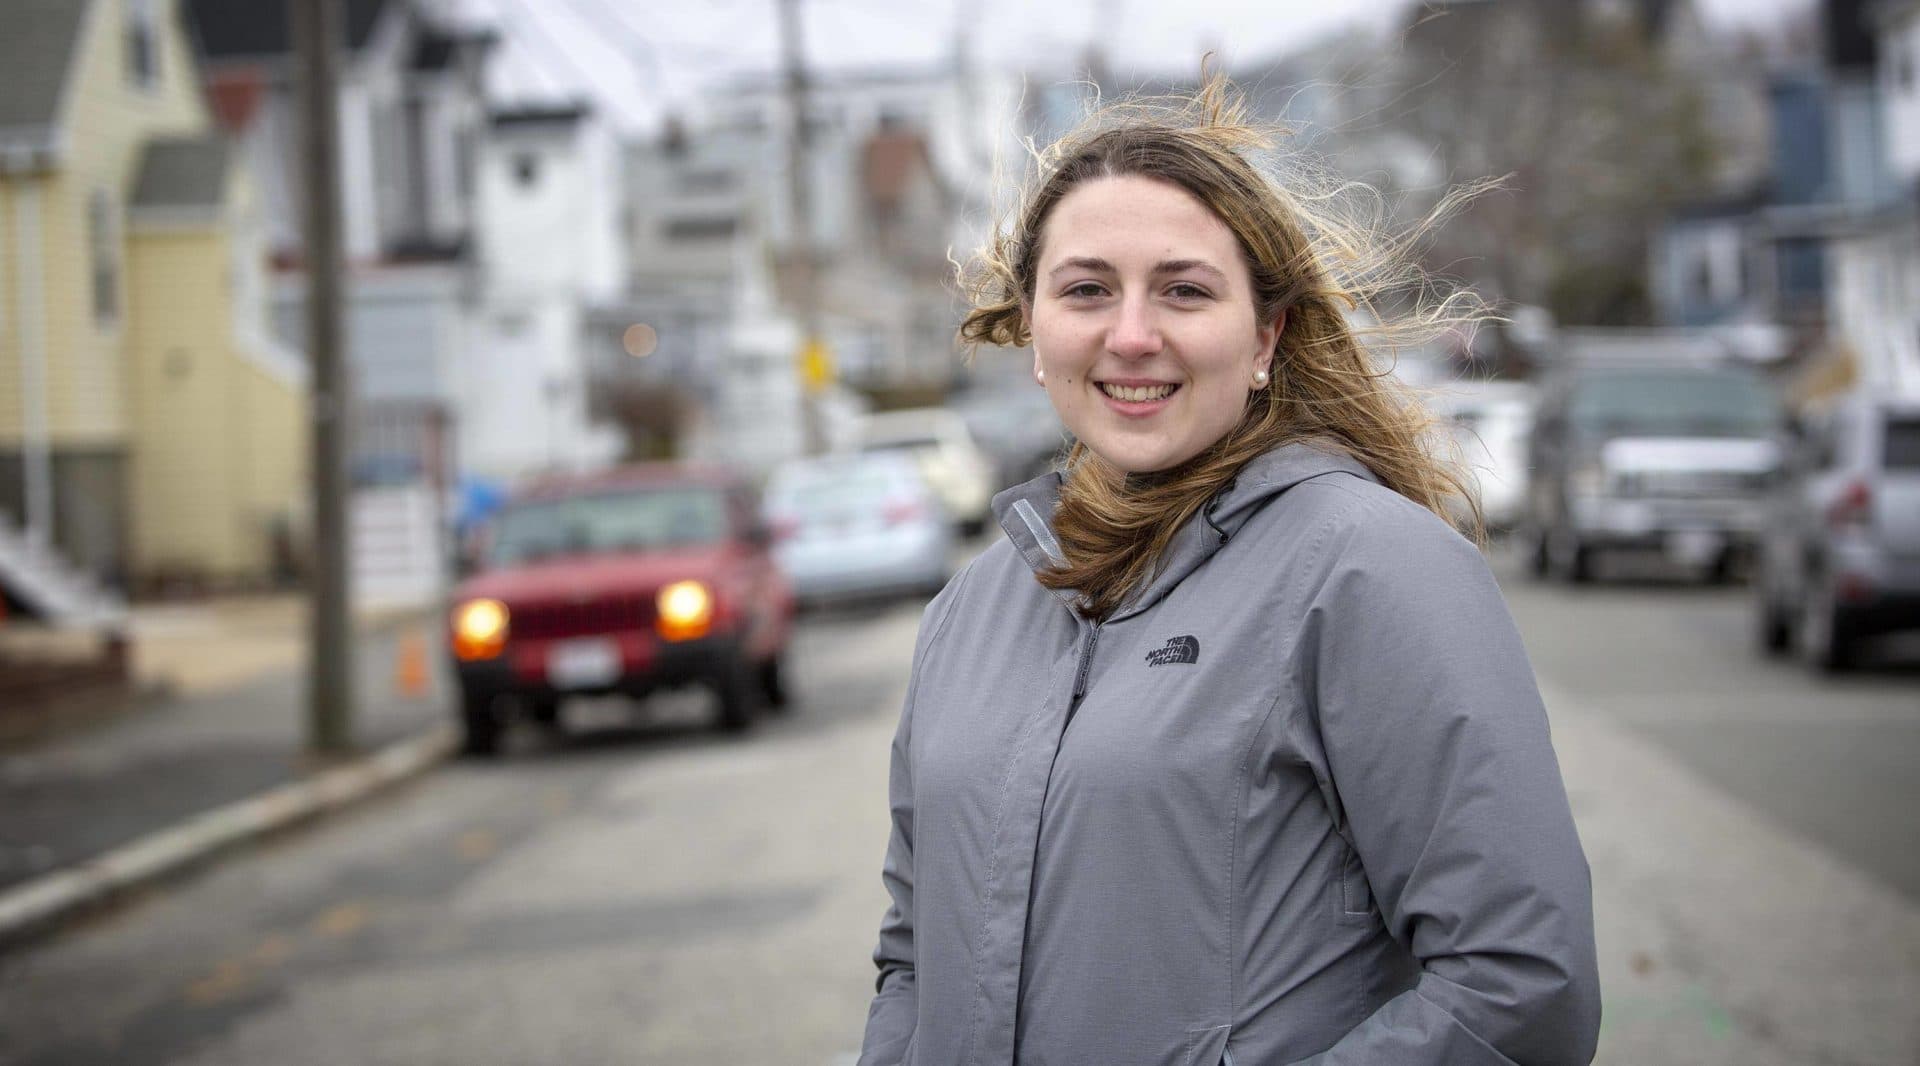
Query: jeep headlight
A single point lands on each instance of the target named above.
(685, 611)
(479, 629)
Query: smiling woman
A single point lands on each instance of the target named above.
(1189, 312)
(1229, 749)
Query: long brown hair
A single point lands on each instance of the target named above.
(1317, 250)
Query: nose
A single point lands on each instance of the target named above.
(1135, 333)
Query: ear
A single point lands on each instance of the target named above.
(1269, 336)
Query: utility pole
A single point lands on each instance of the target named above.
(316, 36)
(815, 363)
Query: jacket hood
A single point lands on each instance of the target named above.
(1025, 512)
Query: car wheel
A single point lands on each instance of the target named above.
(773, 683)
(1825, 643)
(739, 693)
(479, 726)
(1775, 625)
(1539, 562)
(1722, 570)
(1574, 558)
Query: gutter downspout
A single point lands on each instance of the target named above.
(36, 447)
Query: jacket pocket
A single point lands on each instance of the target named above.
(1356, 896)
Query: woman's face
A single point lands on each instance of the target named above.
(1143, 322)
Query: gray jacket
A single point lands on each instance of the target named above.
(1295, 803)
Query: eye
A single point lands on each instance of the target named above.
(1186, 290)
(1085, 290)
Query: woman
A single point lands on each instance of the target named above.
(1230, 752)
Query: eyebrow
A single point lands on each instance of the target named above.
(1166, 266)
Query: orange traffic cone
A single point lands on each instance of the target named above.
(410, 674)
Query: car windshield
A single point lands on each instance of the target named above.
(637, 520)
(834, 491)
(1691, 402)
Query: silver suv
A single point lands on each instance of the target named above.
(1840, 561)
(1667, 458)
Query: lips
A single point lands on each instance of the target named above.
(1138, 392)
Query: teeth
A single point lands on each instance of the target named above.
(1138, 395)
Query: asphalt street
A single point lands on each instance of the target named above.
(655, 893)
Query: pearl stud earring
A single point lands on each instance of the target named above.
(1040, 378)
(1260, 379)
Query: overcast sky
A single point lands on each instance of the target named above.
(634, 56)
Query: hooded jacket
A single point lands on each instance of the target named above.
(1294, 803)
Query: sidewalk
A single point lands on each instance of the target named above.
(228, 725)
(1723, 938)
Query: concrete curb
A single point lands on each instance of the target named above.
(39, 905)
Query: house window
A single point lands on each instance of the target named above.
(103, 260)
(143, 43)
(700, 229)
(705, 181)
(1700, 288)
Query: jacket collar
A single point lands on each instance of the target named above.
(1025, 512)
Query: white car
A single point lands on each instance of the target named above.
(847, 526)
(938, 439)
(1490, 422)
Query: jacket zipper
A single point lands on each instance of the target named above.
(1086, 666)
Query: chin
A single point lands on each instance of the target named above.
(1138, 463)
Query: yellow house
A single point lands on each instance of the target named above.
(148, 426)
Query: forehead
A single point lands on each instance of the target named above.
(1134, 216)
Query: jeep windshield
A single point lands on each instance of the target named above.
(1673, 402)
(608, 522)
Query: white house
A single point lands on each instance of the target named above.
(411, 119)
(551, 253)
(899, 169)
(1874, 272)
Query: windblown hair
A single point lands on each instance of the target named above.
(1317, 250)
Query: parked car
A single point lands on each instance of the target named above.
(938, 439)
(1669, 458)
(862, 524)
(1840, 561)
(1490, 422)
(1018, 428)
(620, 582)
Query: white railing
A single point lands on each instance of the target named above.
(50, 586)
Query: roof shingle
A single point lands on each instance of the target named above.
(36, 49)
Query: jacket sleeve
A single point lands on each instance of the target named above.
(1446, 785)
(895, 1009)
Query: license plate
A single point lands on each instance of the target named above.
(1694, 547)
(583, 663)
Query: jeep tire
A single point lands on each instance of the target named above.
(773, 684)
(738, 689)
(479, 725)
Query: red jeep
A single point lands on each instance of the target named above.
(620, 582)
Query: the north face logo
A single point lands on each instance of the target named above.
(1178, 650)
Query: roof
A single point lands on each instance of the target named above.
(182, 172)
(889, 162)
(35, 51)
(232, 29)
